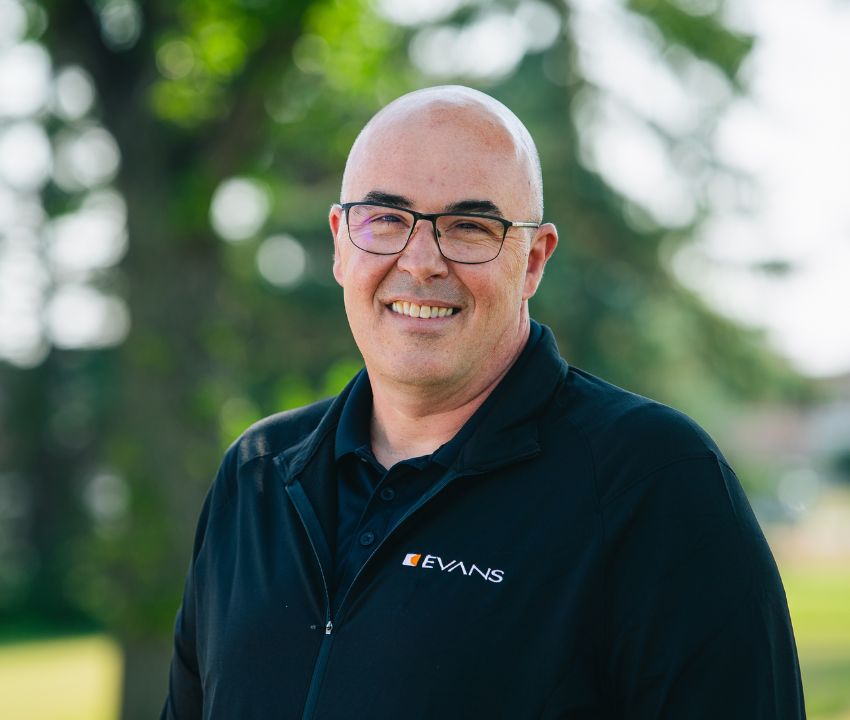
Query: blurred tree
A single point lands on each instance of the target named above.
(236, 115)
(841, 465)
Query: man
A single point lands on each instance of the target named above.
(473, 528)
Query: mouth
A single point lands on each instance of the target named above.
(421, 311)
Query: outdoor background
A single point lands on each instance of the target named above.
(166, 168)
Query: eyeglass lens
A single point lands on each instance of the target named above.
(463, 238)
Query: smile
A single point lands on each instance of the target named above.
(420, 311)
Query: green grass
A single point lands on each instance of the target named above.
(63, 679)
(819, 600)
(79, 678)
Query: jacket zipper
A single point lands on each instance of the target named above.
(318, 673)
(324, 650)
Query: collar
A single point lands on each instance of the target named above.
(504, 428)
(352, 433)
(507, 427)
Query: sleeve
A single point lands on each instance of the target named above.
(185, 693)
(697, 620)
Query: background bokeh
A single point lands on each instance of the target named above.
(166, 169)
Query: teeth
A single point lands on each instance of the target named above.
(420, 311)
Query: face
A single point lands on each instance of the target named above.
(431, 161)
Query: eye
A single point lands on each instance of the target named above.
(471, 226)
(387, 219)
(378, 218)
(467, 225)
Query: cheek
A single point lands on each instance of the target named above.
(357, 296)
(362, 277)
(511, 281)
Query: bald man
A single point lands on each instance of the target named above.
(473, 528)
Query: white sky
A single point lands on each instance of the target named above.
(791, 135)
(794, 137)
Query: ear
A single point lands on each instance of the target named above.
(543, 244)
(335, 221)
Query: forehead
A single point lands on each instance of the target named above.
(440, 154)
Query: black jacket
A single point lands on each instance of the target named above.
(590, 554)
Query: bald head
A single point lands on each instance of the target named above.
(457, 110)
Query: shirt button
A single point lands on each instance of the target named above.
(387, 494)
(367, 538)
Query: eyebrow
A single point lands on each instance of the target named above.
(471, 205)
(385, 198)
(475, 206)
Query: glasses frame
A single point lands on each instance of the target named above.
(432, 218)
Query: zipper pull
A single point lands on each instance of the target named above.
(329, 628)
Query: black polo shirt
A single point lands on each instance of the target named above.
(371, 499)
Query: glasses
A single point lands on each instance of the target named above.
(467, 238)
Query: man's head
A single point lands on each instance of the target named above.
(437, 150)
(487, 116)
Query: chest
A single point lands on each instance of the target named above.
(482, 602)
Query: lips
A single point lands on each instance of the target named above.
(421, 311)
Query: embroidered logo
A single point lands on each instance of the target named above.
(435, 562)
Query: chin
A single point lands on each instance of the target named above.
(417, 374)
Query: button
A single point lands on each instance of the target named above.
(367, 538)
(387, 493)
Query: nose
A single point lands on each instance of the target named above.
(421, 258)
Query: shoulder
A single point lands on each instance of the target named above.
(243, 472)
(630, 437)
(243, 463)
(276, 433)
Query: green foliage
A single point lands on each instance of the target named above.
(703, 35)
(348, 44)
(202, 52)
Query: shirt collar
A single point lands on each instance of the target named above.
(447, 453)
(352, 433)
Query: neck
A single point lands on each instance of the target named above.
(412, 421)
